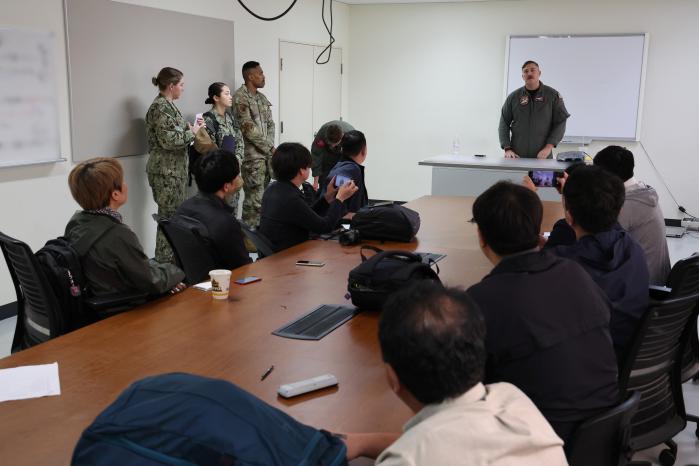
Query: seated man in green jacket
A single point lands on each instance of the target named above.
(112, 257)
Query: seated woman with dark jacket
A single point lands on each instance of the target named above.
(286, 219)
(112, 258)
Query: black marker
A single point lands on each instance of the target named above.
(267, 372)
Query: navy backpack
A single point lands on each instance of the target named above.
(183, 419)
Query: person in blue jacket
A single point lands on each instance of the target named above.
(351, 167)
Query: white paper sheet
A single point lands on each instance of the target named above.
(20, 383)
(203, 286)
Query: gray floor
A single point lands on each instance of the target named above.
(688, 444)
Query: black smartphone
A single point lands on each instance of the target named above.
(545, 178)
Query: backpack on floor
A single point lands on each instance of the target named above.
(371, 282)
(388, 222)
(185, 419)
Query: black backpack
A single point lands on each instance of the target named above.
(60, 263)
(371, 282)
(391, 223)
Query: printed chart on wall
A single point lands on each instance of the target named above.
(28, 107)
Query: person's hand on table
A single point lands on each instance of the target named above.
(179, 287)
(510, 154)
(545, 152)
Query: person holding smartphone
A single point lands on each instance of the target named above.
(285, 218)
(224, 130)
(169, 136)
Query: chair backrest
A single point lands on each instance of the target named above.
(191, 248)
(262, 244)
(39, 315)
(684, 279)
(653, 367)
(603, 439)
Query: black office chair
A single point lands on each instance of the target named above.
(39, 317)
(262, 244)
(603, 440)
(653, 367)
(39, 313)
(682, 279)
(188, 238)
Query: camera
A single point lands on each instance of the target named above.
(349, 237)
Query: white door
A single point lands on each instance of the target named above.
(296, 93)
(327, 88)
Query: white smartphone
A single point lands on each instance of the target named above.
(341, 179)
(310, 263)
(197, 116)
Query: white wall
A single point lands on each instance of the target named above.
(423, 74)
(35, 201)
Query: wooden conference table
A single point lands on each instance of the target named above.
(231, 340)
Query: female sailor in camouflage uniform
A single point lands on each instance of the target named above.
(169, 136)
(223, 129)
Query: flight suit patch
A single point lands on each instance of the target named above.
(539, 98)
(524, 100)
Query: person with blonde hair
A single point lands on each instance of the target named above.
(111, 255)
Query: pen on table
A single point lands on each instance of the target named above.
(267, 372)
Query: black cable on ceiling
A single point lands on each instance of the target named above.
(331, 41)
(273, 18)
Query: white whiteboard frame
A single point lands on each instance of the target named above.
(642, 86)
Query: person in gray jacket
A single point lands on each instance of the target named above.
(640, 215)
(112, 258)
(533, 117)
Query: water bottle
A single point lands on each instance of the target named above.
(456, 146)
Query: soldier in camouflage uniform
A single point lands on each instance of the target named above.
(168, 136)
(325, 150)
(224, 129)
(252, 110)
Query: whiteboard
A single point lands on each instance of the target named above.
(113, 51)
(28, 107)
(599, 76)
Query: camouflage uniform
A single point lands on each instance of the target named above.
(255, 118)
(324, 157)
(226, 126)
(168, 138)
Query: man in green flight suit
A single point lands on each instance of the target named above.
(252, 110)
(533, 117)
(325, 150)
